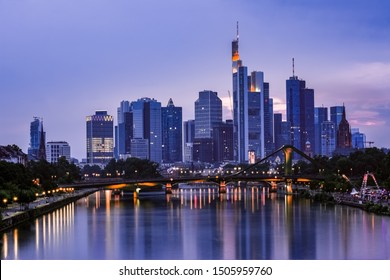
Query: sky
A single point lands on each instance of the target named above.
(63, 60)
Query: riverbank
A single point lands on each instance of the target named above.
(12, 217)
(380, 207)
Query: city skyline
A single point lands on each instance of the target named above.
(61, 61)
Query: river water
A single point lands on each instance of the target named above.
(200, 224)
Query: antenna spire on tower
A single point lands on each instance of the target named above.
(293, 67)
(238, 34)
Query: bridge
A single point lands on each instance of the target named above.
(221, 180)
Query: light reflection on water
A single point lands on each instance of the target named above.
(244, 223)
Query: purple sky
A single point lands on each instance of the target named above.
(64, 59)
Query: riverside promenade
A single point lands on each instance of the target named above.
(16, 214)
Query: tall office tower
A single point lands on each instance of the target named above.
(344, 137)
(248, 109)
(37, 139)
(147, 125)
(336, 114)
(57, 149)
(300, 112)
(254, 113)
(320, 116)
(358, 139)
(100, 138)
(189, 136)
(277, 130)
(269, 145)
(122, 140)
(208, 113)
(281, 131)
(328, 138)
(223, 141)
(172, 133)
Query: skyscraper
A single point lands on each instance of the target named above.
(208, 114)
(123, 130)
(336, 114)
(328, 138)
(37, 140)
(282, 131)
(358, 139)
(223, 141)
(248, 109)
(172, 133)
(147, 125)
(100, 140)
(189, 136)
(269, 145)
(320, 116)
(300, 112)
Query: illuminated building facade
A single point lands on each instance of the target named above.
(172, 133)
(300, 112)
(320, 116)
(248, 110)
(328, 138)
(100, 138)
(208, 114)
(147, 125)
(37, 139)
(57, 149)
(189, 136)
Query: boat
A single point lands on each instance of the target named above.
(147, 192)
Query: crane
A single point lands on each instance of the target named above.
(369, 143)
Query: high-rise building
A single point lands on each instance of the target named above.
(336, 114)
(281, 131)
(300, 112)
(269, 144)
(358, 139)
(123, 130)
(328, 138)
(147, 125)
(248, 109)
(223, 141)
(36, 149)
(172, 133)
(100, 138)
(320, 116)
(189, 136)
(208, 113)
(57, 149)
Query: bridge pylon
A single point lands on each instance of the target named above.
(222, 187)
(168, 188)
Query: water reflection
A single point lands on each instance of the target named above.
(199, 223)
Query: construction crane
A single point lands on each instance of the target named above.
(369, 143)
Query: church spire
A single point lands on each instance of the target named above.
(42, 145)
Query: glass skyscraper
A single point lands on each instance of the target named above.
(320, 116)
(37, 140)
(147, 125)
(300, 112)
(172, 133)
(100, 138)
(249, 113)
(208, 112)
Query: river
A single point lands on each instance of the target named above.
(200, 224)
